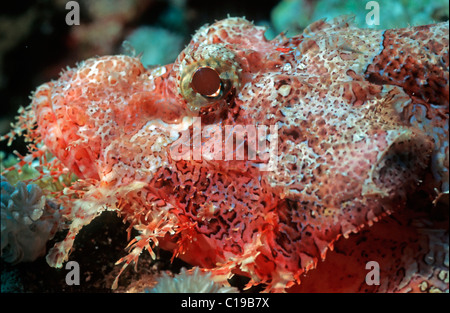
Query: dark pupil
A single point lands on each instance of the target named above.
(206, 81)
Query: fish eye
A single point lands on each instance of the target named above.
(208, 76)
(206, 81)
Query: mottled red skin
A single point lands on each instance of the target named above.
(353, 144)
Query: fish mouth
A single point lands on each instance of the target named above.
(401, 166)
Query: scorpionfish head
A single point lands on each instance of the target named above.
(266, 151)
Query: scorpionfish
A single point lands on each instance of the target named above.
(263, 158)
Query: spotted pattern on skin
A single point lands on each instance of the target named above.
(422, 72)
(355, 140)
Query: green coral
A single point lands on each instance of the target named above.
(30, 173)
(14, 176)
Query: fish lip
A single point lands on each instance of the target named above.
(401, 166)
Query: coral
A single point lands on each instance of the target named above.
(194, 281)
(26, 172)
(28, 221)
(6, 160)
(358, 121)
(14, 171)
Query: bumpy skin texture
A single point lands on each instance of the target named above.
(362, 122)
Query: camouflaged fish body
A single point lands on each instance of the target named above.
(360, 119)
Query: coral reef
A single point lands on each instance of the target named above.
(28, 221)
